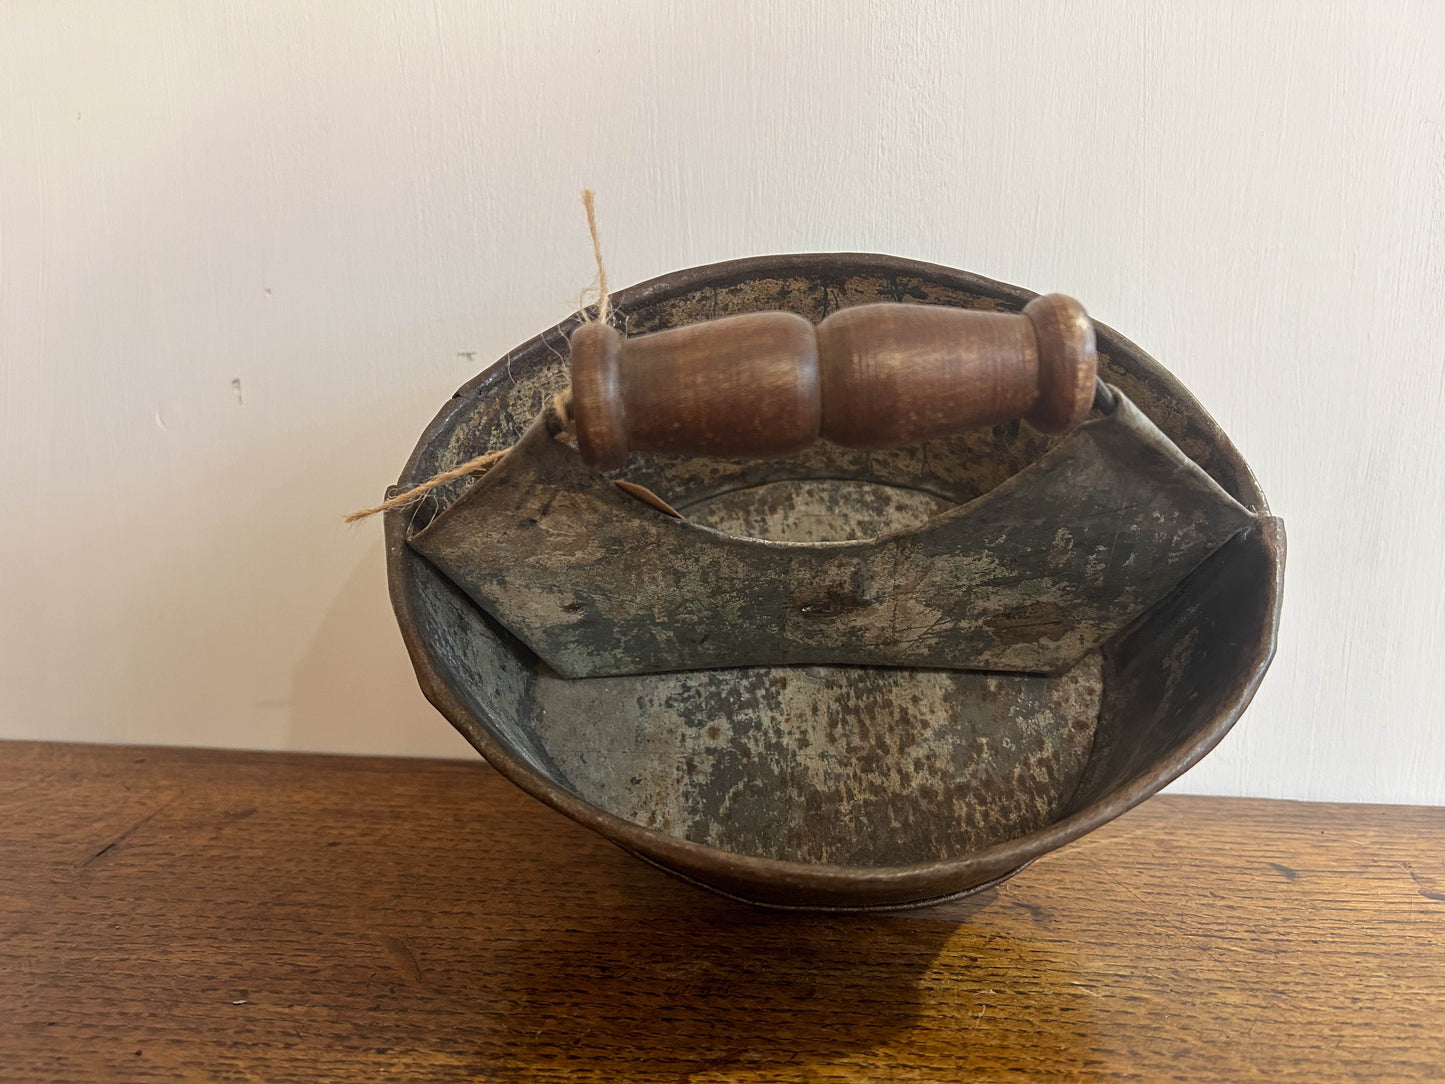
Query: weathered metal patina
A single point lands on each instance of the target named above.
(844, 735)
(1027, 577)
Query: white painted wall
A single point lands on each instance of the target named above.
(246, 250)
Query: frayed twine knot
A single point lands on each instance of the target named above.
(561, 402)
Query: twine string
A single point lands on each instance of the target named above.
(561, 402)
(604, 298)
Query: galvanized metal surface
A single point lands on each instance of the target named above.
(1026, 578)
(816, 510)
(852, 767)
(755, 819)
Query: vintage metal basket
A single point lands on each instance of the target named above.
(842, 677)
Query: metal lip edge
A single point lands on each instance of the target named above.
(832, 908)
(674, 284)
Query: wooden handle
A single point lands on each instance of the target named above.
(872, 376)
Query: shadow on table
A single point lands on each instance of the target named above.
(683, 986)
(292, 918)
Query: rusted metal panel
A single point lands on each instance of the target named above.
(1026, 578)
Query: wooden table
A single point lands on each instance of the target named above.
(173, 914)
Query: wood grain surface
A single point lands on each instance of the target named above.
(879, 375)
(193, 915)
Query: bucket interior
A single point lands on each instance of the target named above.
(855, 766)
(841, 765)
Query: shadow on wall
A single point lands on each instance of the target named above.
(242, 626)
(354, 687)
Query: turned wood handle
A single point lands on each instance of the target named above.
(872, 376)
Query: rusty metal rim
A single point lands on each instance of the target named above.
(918, 883)
(837, 908)
(843, 264)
